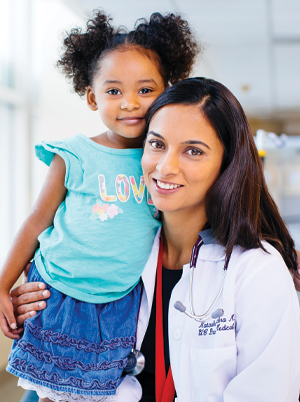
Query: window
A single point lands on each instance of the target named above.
(15, 117)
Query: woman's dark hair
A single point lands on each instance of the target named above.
(168, 37)
(239, 207)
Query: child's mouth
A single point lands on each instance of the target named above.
(132, 120)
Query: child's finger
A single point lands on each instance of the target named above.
(17, 331)
(9, 315)
(6, 329)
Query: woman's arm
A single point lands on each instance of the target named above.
(26, 243)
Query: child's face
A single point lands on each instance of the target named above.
(123, 89)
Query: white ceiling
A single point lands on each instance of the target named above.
(251, 46)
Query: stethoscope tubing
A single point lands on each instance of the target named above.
(207, 315)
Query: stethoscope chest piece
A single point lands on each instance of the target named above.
(135, 363)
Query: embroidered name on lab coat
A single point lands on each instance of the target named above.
(218, 325)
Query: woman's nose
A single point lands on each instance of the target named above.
(130, 103)
(168, 164)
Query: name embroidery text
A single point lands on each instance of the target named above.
(220, 324)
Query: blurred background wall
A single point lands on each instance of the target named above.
(251, 46)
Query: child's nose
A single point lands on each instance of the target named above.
(130, 103)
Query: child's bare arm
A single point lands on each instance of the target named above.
(25, 243)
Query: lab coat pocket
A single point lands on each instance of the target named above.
(211, 371)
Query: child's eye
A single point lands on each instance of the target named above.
(114, 91)
(194, 152)
(145, 90)
(156, 144)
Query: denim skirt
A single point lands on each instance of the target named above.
(74, 346)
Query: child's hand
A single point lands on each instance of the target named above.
(8, 322)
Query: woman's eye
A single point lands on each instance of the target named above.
(194, 152)
(113, 92)
(156, 144)
(145, 90)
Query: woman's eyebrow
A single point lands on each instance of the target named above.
(195, 142)
(189, 142)
(156, 134)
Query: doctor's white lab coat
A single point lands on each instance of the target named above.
(251, 353)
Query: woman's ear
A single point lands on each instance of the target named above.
(91, 99)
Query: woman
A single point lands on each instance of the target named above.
(203, 172)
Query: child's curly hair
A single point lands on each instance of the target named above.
(169, 37)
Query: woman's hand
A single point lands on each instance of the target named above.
(27, 299)
(297, 274)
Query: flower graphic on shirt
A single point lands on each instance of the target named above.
(96, 208)
(112, 211)
(100, 209)
(104, 211)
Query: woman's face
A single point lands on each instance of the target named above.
(182, 159)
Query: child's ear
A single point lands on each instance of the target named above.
(91, 99)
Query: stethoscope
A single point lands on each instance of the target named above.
(208, 314)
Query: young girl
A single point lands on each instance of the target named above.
(92, 227)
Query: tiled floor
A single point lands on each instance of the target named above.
(9, 391)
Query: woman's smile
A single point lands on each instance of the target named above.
(162, 185)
